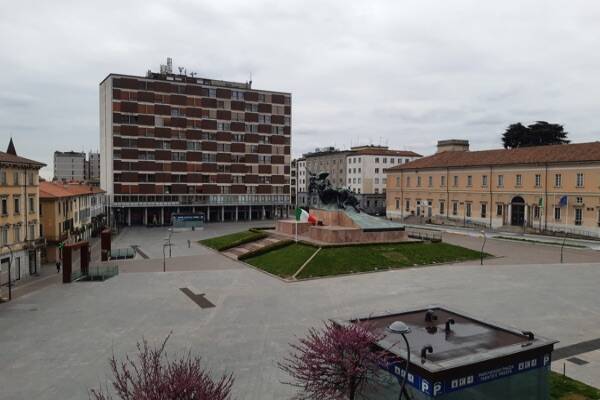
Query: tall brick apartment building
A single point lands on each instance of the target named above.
(173, 143)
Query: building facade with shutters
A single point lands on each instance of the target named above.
(20, 241)
(174, 143)
(552, 188)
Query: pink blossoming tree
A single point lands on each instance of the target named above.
(151, 375)
(334, 362)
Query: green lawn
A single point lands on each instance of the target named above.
(284, 261)
(343, 260)
(235, 239)
(563, 388)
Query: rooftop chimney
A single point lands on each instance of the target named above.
(452, 145)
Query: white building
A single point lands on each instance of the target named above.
(301, 178)
(69, 166)
(365, 166)
(93, 167)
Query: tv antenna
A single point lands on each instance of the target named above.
(180, 70)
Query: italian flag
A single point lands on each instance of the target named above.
(303, 216)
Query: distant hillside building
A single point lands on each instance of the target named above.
(552, 188)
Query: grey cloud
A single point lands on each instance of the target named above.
(403, 73)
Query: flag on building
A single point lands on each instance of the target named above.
(564, 201)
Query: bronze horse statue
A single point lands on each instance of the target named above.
(318, 183)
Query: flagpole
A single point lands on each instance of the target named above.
(295, 213)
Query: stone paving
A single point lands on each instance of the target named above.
(240, 250)
(56, 341)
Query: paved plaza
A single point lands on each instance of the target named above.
(56, 341)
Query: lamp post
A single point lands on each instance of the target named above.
(10, 260)
(402, 329)
(482, 246)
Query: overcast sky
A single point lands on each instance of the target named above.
(402, 73)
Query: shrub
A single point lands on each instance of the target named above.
(152, 376)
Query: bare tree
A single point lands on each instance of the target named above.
(334, 362)
(152, 376)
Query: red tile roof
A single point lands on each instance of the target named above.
(50, 190)
(552, 154)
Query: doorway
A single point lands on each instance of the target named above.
(517, 214)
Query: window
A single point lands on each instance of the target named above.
(430, 181)
(16, 178)
(397, 204)
(500, 180)
(578, 216)
(557, 181)
(443, 180)
(376, 190)
(499, 210)
(17, 205)
(536, 212)
(237, 95)
(31, 234)
(455, 180)
(4, 206)
(579, 180)
(484, 180)
(408, 206)
(212, 92)
(483, 210)
(557, 213)
(17, 233)
(519, 180)
(377, 181)
(538, 180)
(455, 208)
(397, 181)
(579, 200)
(418, 181)
(2, 177)
(469, 180)
(468, 211)
(376, 160)
(376, 170)
(442, 207)
(385, 160)
(31, 204)
(4, 236)
(408, 181)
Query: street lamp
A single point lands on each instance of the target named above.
(482, 246)
(399, 327)
(10, 260)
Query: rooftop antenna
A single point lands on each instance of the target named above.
(180, 70)
(169, 65)
(193, 74)
(250, 82)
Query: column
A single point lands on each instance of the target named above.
(236, 213)
(249, 213)
(128, 216)
(162, 215)
(263, 213)
(222, 213)
(145, 215)
(207, 214)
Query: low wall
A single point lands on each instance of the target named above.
(288, 227)
(354, 235)
(333, 218)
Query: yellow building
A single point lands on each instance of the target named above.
(19, 219)
(69, 211)
(554, 188)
